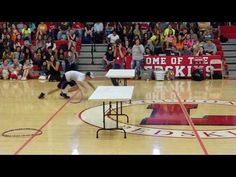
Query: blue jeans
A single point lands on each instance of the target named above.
(136, 64)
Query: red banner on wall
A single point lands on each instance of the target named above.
(181, 65)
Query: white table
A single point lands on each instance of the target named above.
(113, 94)
(121, 74)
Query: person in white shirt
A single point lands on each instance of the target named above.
(113, 37)
(75, 79)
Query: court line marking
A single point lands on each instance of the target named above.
(191, 123)
(44, 125)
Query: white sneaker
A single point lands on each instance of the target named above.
(23, 78)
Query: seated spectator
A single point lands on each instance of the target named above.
(108, 58)
(26, 32)
(210, 48)
(15, 70)
(62, 33)
(18, 42)
(7, 42)
(156, 41)
(215, 29)
(112, 37)
(61, 55)
(186, 51)
(150, 45)
(41, 29)
(79, 30)
(148, 51)
(168, 31)
(137, 31)
(179, 43)
(40, 43)
(188, 42)
(7, 55)
(27, 55)
(38, 58)
(53, 69)
(50, 43)
(193, 35)
(145, 39)
(200, 51)
(14, 33)
(49, 52)
(5, 70)
(20, 26)
(52, 29)
(71, 39)
(27, 69)
(208, 35)
(18, 54)
(170, 39)
(74, 54)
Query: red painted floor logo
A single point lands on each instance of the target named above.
(168, 113)
(172, 114)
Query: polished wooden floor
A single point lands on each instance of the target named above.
(68, 127)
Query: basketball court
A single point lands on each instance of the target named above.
(165, 117)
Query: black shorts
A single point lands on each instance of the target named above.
(63, 83)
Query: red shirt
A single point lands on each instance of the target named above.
(118, 59)
(128, 61)
(78, 25)
(144, 26)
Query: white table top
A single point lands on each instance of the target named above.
(110, 93)
(121, 73)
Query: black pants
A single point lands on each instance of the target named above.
(63, 83)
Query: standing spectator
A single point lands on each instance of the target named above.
(88, 34)
(119, 55)
(98, 32)
(108, 29)
(128, 59)
(137, 57)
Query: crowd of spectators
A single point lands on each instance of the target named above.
(24, 45)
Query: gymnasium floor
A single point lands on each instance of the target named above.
(166, 117)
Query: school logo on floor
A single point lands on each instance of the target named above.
(168, 112)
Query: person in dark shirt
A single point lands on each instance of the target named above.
(108, 58)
